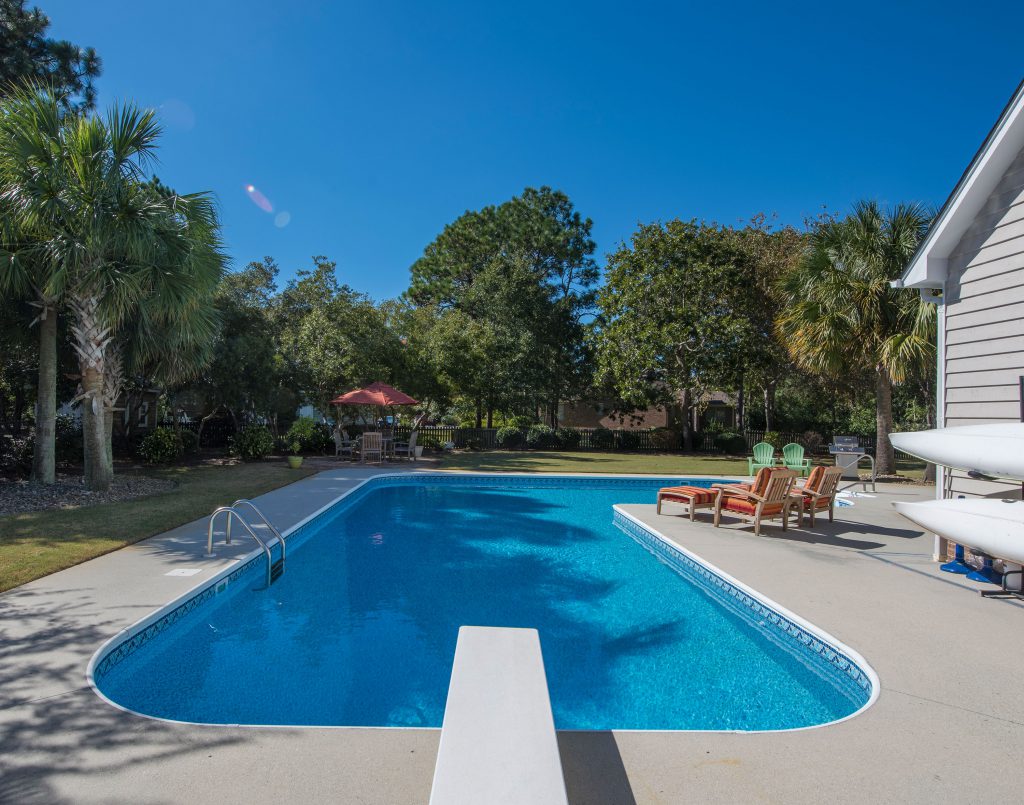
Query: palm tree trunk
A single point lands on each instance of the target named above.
(885, 456)
(44, 450)
(98, 473)
(91, 339)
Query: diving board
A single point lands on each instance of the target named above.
(498, 741)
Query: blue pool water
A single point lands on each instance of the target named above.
(361, 628)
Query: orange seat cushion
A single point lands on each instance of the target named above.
(814, 480)
(744, 506)
(694, 494)
(820, 503)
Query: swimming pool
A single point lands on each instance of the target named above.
(361, 628)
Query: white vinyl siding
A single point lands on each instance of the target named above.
(984, 348)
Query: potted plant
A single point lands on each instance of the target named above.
(295, 460)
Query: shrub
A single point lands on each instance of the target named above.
(541, 437)
(428, 441)
(189, 442)
(16, 455)
(773, 437)
(602, 439)
(665, 439)
(569, 438)
(629, 440)
(509, 438)
(728, 441)
(252, 443)
(68, 440)
(162, 446)
(312, 436)
(811, 441)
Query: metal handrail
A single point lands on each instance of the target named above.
(266, 522)
(231, 512)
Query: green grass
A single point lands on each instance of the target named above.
(648, 463)
(625, 463)
(39, 543)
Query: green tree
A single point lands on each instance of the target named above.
(541, 230)
(841, 315)
(332, 338)
(246, 373)
(28, 56)
(675, 315)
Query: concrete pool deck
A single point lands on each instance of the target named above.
(948, 726)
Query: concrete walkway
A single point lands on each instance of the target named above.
(949, 725)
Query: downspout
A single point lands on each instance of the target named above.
(938, 548)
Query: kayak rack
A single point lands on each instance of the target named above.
(274, 568)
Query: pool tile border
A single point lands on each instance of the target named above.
(755, 610)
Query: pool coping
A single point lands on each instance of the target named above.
(208, 588)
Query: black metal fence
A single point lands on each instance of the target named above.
(218, 432)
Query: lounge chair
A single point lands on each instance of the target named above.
(693, 497)
(406, 449)
(793, 459)
(764, 456)
(343, 445)
(767, 499)
(371, 446)
(819, 493)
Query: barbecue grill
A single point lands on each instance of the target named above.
(849, 454)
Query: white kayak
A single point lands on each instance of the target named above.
(991, 526)
(994, 450)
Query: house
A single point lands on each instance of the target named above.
(972, 264)
(718, 406)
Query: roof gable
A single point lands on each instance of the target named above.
(928, 267)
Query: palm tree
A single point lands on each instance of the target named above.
(115, 248)
(841, 316)
(26, 271)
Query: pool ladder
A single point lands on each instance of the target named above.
(274, 567)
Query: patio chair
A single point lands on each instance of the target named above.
(406, 449)
(764, 456)
(372, 447)
(793, 459)
(343, 445)
(767, 499)
(819, 493)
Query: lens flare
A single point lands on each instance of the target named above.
(257, 198)
(282, 219)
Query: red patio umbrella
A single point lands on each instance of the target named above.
(375, 394)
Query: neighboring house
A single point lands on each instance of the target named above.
(719, 407)
(972, 264)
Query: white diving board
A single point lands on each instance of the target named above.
(498, 743)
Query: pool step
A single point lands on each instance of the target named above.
(276, 569)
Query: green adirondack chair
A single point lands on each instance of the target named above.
(764, 456)
(793, 459)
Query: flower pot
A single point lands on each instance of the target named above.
(294, 462)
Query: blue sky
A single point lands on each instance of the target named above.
(368, 126)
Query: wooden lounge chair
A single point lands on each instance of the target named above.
(767, 499)
(371, 447)
(694, 497)
(819, 493)
(406, 449)
(764, 456)
(793, 459)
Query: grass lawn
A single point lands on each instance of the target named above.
(649, 463)
(38, 543)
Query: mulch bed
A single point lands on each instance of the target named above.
(19, 497)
